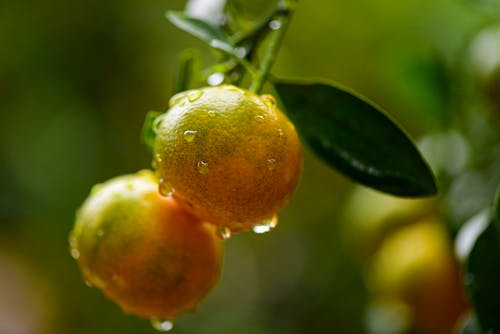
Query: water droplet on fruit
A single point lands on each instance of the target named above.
(194, 95)
(269, 100)
(215, 79)
(275, 24)
(266, 226)
(259, 118)
(280, 132)
(157, 123)
(202, 167)
(224, 232)
(211, 114)
(75, 253)
(271, 164)
(189, 135)
(164, 189)
(162, 325)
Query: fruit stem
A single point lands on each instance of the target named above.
(280, 22)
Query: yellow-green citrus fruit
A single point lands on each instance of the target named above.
(230, 156)
(143, 250)
(416, 266)
(369, 216)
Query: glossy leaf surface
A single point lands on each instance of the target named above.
(207, 32)
(357, 138)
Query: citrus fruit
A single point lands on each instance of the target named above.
(368, 216)
(143, 250)
(230, 156)
(416, 266)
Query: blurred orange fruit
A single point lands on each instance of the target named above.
(416, 266)
(369, 216)
(143, 250)
(229, 156)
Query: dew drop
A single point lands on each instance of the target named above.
(275, 24)
(75, 253)
(157, 124)
(215, 79)
(189, 135)
(269, 100)
(224, 232)
(164, 189)
(162, 325)
(194, 95)
(202, 167)
(271, 164)
(241, 52)
(259, 118)
(211, 114)
(280, 132)
(266, 226)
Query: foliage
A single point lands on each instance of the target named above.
(77, 77)
(349, 133)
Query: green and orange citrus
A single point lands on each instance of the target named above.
(231, 157)
(143, 250)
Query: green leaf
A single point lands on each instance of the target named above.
(148, 128)
(357, 138)
(496, 208)
(483, 277)
(207, 32)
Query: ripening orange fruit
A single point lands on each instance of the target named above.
(228, 155)
(416, 266)
(143, 250)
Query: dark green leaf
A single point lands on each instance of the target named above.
(496, 208)
(207, 32)
(148, 128)
(357, 138)
(483, 279)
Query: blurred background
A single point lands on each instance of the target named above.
(77, 77)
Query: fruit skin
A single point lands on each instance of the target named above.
(230, 156)
(416, 265)
(144, 251)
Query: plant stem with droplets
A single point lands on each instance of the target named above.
(282, 19)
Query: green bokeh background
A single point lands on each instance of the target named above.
(76, 79)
